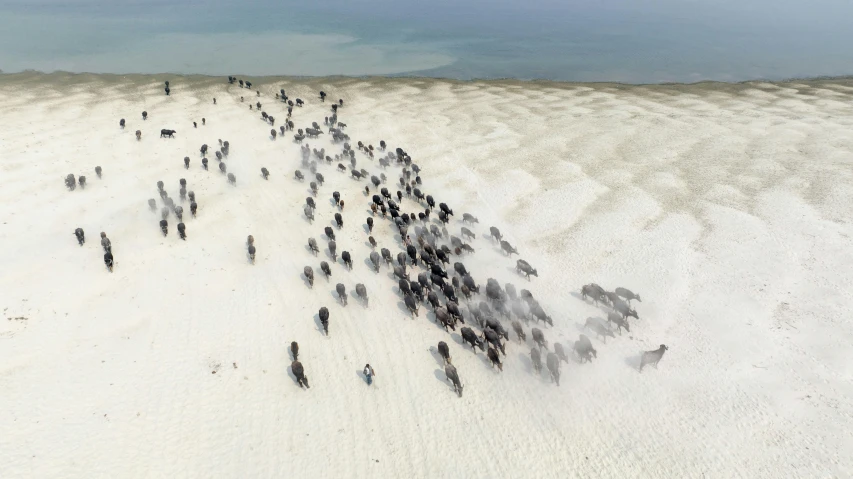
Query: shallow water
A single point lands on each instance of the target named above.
(613, 40)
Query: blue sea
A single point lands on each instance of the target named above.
(639, 41)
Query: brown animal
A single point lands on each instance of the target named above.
(652, 357)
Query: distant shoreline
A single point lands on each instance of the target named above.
(30, 74)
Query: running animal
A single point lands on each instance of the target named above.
(652, 357)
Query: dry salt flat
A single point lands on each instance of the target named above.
(726, 206)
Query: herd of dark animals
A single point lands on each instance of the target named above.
(429, 251)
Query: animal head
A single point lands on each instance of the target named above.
(663, 347)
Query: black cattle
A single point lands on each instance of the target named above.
(164, 133)
(553, 363)
(324, 267)
(81, 237)
(470, 337)
(453, 377)
(411, 304)
(108, 261)
(324, 319)
(299, 372)
(444, 352)
(536, 359)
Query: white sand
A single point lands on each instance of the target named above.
(727, 207)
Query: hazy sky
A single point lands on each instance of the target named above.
(607, 40)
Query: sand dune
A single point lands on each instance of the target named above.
(726, 206)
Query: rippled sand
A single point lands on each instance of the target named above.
(726, 206)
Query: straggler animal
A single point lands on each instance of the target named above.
(652, 357)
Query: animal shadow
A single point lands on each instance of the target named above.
(634, 361)
(435, 355)
(439, 375)
(577, 295)
(319, 327)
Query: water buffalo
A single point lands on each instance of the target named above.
(536, 359)
(444, 318)
(70, 182)
(496, 233)
(496, 326)
(443, 207)
(599, 328)
(411, 304)
(339, 220)
(265, 173)
(324, 319)
(432, 299)
(370, 224)
(108, 261)
(519, 331)
(613, 317)
(405, 286)
(299, 372)
(652, 357)
(309, 275)
(121, 123)
(444, 352)
(342, 293)
(294, 350)
(376, 260)
(361, 291)
(138, 135)
(453, 377)
(507, 248)
(324, 267)
(470, 337)
(164, 133)
(453, 309)
(98, 171)
(329, 233)
(466, 232)
(468, 282)
(495, 359)
(492, 337)
(625, 310)
(539, 338)
(345, 256)
(231, 178)
(627, 294)
(144, 115)
(179, 213)
(252, 253)
(204, 163)
(470, 219)
(593, 291)
(164, 227)
(182, 231)
(81, 237)
(400, 272)
(449, 293)
(524, 267)
(539, 314)
(553, 363)
(222, 168)
(312, 245)
(193, 208)
(583, 348)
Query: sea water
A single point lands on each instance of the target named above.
(634, 41)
